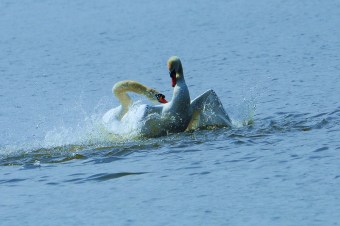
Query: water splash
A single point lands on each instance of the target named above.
(130, 125)
(243, 113)
(66, 142)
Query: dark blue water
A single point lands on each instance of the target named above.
(275, 63)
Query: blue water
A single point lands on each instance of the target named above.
(275, 63)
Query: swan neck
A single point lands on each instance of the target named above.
(120, 90)
(181, 93)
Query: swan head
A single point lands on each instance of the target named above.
(156, 97)
(175, 69)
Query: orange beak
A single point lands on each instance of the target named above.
(173, 81)
(173, 78)
(162, 100)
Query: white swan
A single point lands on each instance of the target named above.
(174, 116)
(120, 90)
(180, 113)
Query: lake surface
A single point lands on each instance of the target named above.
(275, 63)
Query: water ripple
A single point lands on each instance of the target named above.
(100, 177)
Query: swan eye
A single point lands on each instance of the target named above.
(172, 73)
(159, 96)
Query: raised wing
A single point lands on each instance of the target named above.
(208, 111)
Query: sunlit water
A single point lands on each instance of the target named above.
(274, 65)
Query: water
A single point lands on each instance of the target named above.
(275, 63)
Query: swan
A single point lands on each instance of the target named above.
(178, 115)
(174, 116)
(120, 90)
(182, 114)
(205, 110)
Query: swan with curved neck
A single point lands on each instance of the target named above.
(120, 90)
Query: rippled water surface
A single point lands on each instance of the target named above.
(272, 63)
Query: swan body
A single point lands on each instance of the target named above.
(172, 117)
(178, 115)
